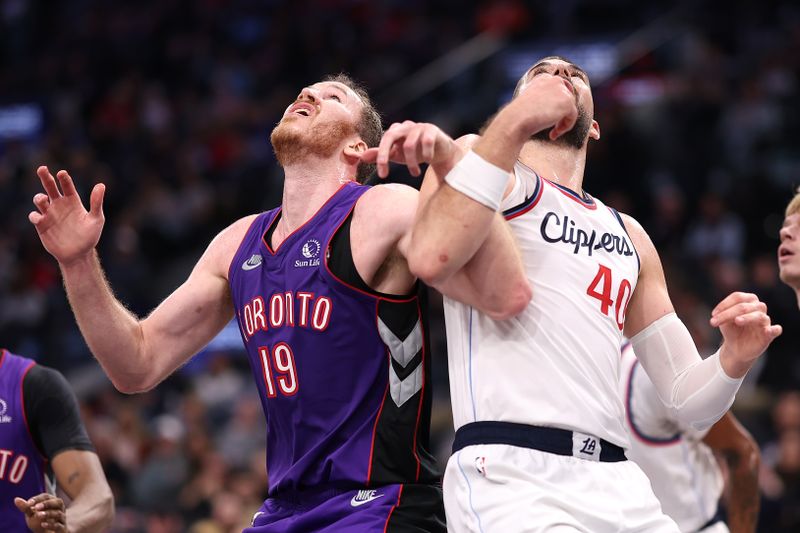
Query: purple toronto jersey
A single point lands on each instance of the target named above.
(342, 372)
(22, 466)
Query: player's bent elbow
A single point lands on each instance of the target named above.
(748, 456)
(431, 268)
(132, 384)
(510, 303)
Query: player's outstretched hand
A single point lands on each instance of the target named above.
(411, 144)
(44, 513)
(66, 229)
(747, 331)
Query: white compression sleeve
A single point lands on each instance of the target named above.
(697, 391)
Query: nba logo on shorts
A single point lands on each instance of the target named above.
(480, 465)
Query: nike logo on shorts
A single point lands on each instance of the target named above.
(365, 496)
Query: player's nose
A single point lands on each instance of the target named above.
(308, 94)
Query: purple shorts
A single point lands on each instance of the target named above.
(390, 508)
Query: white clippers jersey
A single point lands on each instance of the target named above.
(556, 364)
(682, 469)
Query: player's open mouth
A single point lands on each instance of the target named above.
(301, 108)
(784, 252)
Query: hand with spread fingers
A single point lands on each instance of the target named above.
(44, 513)
(66, 229)
(746, 329)
(411, 144)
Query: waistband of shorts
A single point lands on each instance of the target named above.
(309, 497)
(546, 439)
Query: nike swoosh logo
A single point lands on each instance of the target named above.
(254, 262)
(355, 502)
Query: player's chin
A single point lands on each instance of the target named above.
(790, 275)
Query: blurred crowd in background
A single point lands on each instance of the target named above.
(170, 104)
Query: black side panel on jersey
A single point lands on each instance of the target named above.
(340, 260)
(401, 449)
(420, 510)
(403, 421)
(53, 414)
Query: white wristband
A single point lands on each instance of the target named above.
(478, 179)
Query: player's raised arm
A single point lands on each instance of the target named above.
(491, 279)
(136, 354)
(454, 223)
(699, 391)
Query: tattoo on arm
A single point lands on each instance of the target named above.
(73, 477)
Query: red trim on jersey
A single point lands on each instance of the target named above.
(239, 247)
(421, 392)
(375, 428)
(383, 402)
(301, 226)
(24, 413)
(572, 195)
(2, 356)
(531, 205)
(388, 297)
(399, 494)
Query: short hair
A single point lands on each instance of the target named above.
(369, 127)
(524, 77)
(794, 204)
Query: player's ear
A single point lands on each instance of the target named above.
(353, 150)
(594, 131)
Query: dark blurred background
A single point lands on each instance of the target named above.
(170, 103)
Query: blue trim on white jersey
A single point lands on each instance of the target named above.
(471, 391)
(647, 439)
(621, 223)
(469, 490)
(528, 203)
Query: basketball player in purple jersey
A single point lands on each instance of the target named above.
(327, 308)
(41, 436)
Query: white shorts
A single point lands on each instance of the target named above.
(496, 488)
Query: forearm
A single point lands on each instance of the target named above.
(743, 502)
(448, 231)
(697, 391)
(92, 511)
(113, 334)
(502, 141)
(494, 280)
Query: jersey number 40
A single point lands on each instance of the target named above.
(604, 282)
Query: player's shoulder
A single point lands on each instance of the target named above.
(41, 381)
(388, 203)
(223, 247)
(641, 240)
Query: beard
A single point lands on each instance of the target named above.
(574, 138)
(292, 145)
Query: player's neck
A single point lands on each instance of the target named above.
(307, 186)
(559, 164)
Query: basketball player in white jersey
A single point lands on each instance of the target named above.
(789, 250)
(540, 425)
(680, 460)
